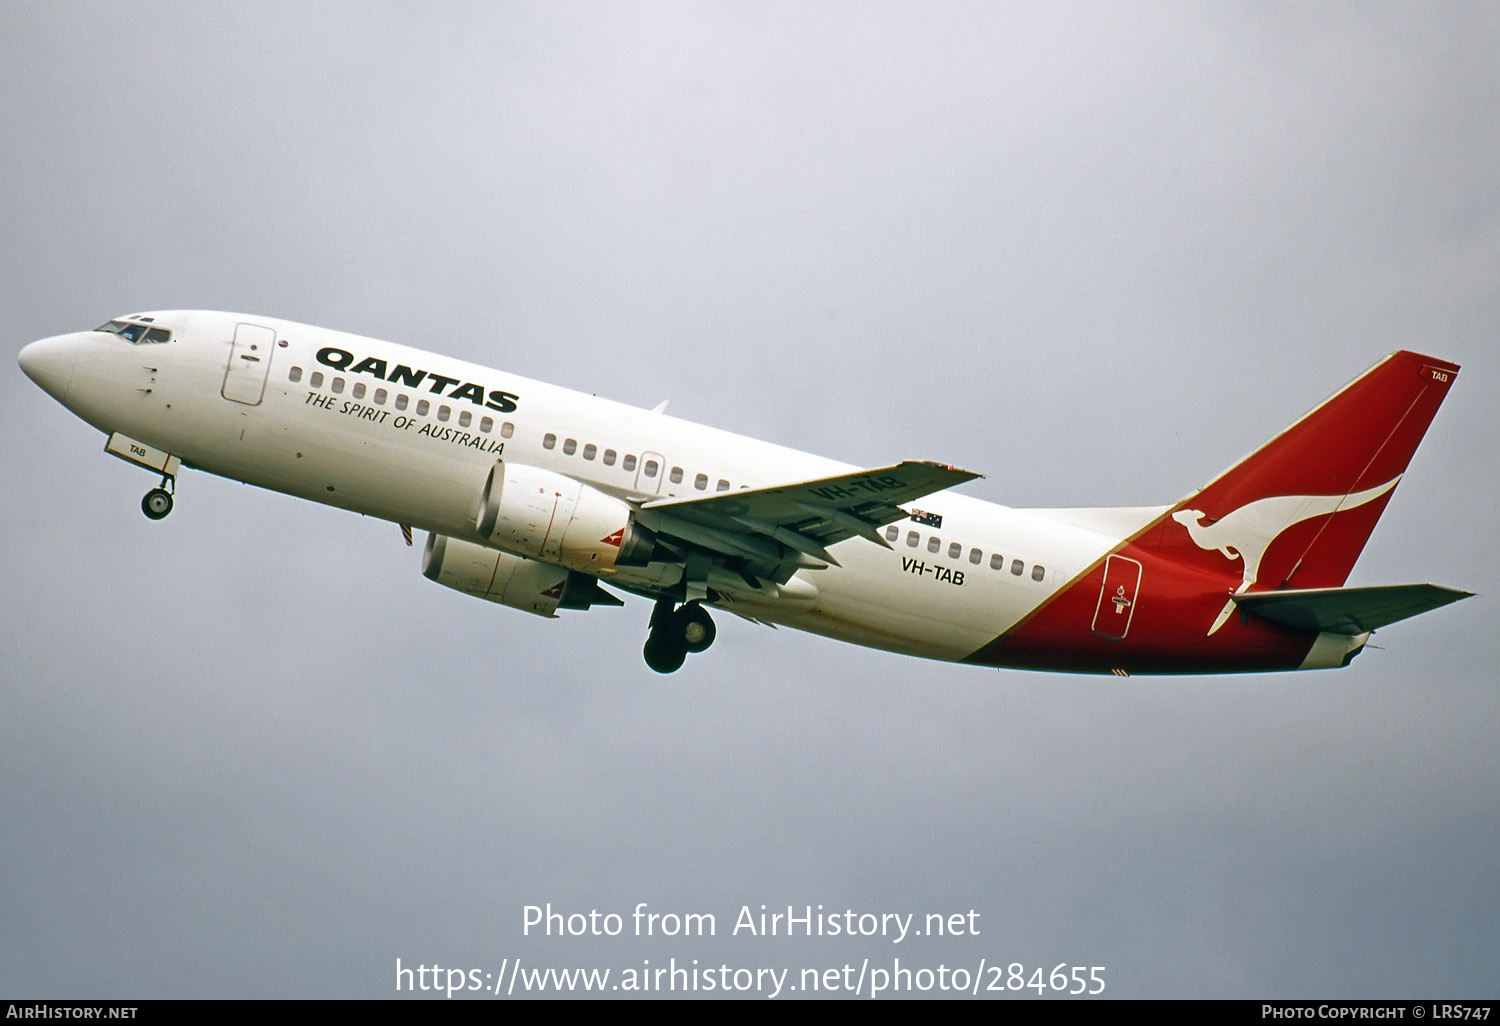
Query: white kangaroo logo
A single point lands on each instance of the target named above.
(1246, 533)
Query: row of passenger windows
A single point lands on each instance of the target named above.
(423, 406)
(956, 550)
(649, 467)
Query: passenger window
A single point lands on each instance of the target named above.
(650, 468)
(1038, 572)
(358, 391)
(549, 441)
(997, 562)
(700, 482)
(570, 446)
(465, 418)
(422, 407)
(955, 550)
(486, 424)
(892, 533)
(723, 486)
(1016, 566)
(294, 375)
(338, 384)
(975, 556)
(934, 543)
(443, 413)
(677, 475)
(401, 400)
(628, 463)
(590, 451)
(380, 397)
(507, 429)
(912, 539)
(316, 381)
(609, 457)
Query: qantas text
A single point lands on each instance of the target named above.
(342, 359)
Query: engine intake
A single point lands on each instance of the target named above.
(509, 579)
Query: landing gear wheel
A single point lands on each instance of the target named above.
(664, 652)
(695, 627)
(157, 503)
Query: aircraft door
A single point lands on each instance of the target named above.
(650, 472)
(249, 364)
(1117, 597)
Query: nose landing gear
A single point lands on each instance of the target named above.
(676, 632)
(158, 501)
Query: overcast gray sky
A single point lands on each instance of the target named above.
(1096, 252)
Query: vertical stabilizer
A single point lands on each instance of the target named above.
(1297, 512)
(1247, 574)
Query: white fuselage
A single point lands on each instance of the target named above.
(415, 447)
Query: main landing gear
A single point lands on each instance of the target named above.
(158, 501)
(676, 632)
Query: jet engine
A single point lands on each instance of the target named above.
(509, 579)
(556, 519)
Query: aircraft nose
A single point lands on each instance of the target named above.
(49, 362)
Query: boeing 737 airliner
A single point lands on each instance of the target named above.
(541, 499)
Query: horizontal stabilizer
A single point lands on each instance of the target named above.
(1347, 610)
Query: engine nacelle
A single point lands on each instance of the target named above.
(556, 519)
(509, 579)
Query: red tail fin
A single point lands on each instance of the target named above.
(1298, 511)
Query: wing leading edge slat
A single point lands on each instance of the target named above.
(809, 516)
(872, 496)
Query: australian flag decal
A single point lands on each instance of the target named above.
(927, 519)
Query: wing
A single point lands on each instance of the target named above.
(760, 524)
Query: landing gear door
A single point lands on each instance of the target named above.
(249, 363)
(1116, 608)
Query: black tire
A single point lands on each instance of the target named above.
(664, 653)
(157, 503)
(695, 627)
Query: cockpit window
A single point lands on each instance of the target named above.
(136, 334)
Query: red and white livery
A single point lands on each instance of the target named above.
(544, 499)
